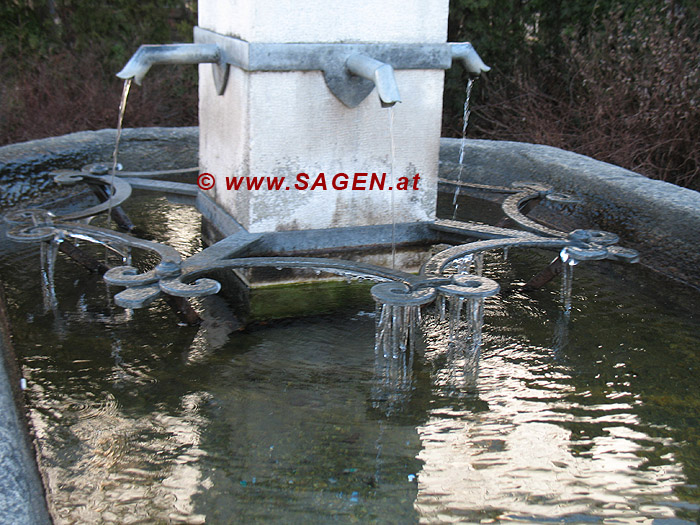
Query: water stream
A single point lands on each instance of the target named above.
(595, 419)
(115, 155)
(465, 122)
(392, 186)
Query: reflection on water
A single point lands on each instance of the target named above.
(567, 430)
(542, 450)
(594, 418)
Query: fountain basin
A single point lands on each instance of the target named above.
(120, 375)
(657, 218)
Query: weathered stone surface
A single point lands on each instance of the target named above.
(660, 220)
(282, 123)
(25, 167)
(21, 493)
(322, 21)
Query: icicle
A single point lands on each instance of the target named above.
(567, 279)
(378, 311)
(51, 256)
(561, 332)
(478, 263)
(413, 314)
(464, 264)
(455, 314)
(466, 317)
(398, 347)
(383, 329)
(477, 321)
(396, 331)
(48, 252)
(441, 306)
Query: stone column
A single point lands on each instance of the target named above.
(280, 124)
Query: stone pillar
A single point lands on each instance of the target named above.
(279, 124)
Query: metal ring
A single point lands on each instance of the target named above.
(33, 233)
(466, 285)
(399, 294)
(586, 253)
(30, 215)
(599, 237)
(620, 254)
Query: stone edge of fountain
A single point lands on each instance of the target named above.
(659, 219)
(21, 491)
(25, 166)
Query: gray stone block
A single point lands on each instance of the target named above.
(659, 219)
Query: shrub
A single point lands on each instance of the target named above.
(623, 88)
(59, 60)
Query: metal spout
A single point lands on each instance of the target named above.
(465, 52)
(378, 72)
(148, 55)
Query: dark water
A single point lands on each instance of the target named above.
(139, 420)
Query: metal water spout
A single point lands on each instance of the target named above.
(149, 55)
(465, 52)
(378, 72)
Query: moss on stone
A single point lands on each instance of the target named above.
(311, 298)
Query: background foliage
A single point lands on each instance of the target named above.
(58, 60)
(618, 80)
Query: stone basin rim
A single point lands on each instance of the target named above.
(659, 219)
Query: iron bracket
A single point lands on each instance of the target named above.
(350, 89)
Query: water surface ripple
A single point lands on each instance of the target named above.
(594, 419)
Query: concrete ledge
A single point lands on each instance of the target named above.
(21, 492)
(660, 220)
(25, 167)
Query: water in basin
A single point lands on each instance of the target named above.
(594, 420)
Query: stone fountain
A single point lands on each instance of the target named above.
(358, 103)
